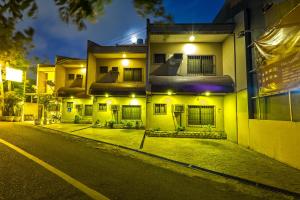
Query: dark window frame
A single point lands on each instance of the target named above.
(126, 116)
(160, 109)
(85, 110)
(102, 107)
(159, 58)
(71, 77)
(201, 118)
(103, 69)
(132, 77)
(199, 65)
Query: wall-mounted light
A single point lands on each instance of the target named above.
(72, 97)
(169, 92)
(207, 93)
(133, 95)
(192, 38)
(106, 95)
(125, 62)
(123, 55)
(83, 70)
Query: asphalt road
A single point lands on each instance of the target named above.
(106, 170)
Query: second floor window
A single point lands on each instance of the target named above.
(159, 58)
(201, 65)
(102, 107)
(103, 69)
(160, 109)
(133, 74)
(79, 76)
(71, 76)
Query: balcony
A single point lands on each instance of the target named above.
(117, 88)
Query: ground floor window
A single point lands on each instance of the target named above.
(88, 110)
(201, 115)
(69, 106)
(102, 107)
(160, 109)
(131, 112)
(79, 108)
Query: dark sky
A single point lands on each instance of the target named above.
(119, 22)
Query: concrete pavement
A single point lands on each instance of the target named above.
(217, 155)
(115, 173)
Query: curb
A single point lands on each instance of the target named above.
(194, 167)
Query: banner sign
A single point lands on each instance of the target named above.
(281, 75)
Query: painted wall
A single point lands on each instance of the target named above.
(277, 139)
(75, 71)
(105, 116)
(91, 70)
(242, 118)
(228, 57)
(68, 117)
(60, 77)
(230, 117)
(199, 49)
(31, 109)
(169, 122)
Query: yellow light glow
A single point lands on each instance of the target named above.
(72, 97)
(192, 38)
(124, 55)
(108, 102)
(125, 62)
(169, 92)
(207, 93)
(106, 95)
(81, 65)
(133, 95)
(83, 70)
(134, 102)
(134, 39)
(189, 48)
(14, 74)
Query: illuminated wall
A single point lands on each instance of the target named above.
(107, 115)
(187, 49)
(169, 121)
(68, 114)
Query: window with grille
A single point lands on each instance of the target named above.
(201, 65)
(102, 107)
(79, 108)
(53, 107)
(160, 109)
(88, 110)
(71, 76)
(79, 76)
(131, 112)
(201, 115)
(133, 74)
(159, 58)
(103, 69)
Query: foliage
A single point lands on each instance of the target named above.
(77, 119)
(12, 101)
(111, 123)
(180, 128)
(129, 124)
(156, 129)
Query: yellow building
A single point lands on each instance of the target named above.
(191, 69)
(116, 77)
(70, 89)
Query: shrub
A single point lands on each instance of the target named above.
(111, 123)
(77, 119)
(156, 129)
(180, 128)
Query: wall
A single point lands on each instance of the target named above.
(75, 71)
(133, 63)
(168, 122)
(242, 118)
(200, 49)
(60, 77)
(68, 117)
(230, 117)
(104, 116)
(228, 57)
(31, 109)
(91, 70)
(277, 139)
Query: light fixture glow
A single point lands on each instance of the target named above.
(192, 38)
(133, 95)
(83, 70)
(207, 93)
(169, 92)
(106, 95)
(134, 39)
(134, 102)
(125, 62)
(72, 97)
(189, 48)
(124, 55)
(14, 74)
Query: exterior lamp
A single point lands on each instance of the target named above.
(133, 95)
(134, 39)
(192, 38)
(169, 92)
(124, 55)
(207, 93)
(106, 95)
(125, 62)
(189, 49)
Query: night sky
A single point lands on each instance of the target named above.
(53, 37)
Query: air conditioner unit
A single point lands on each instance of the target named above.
(178, 108)
(115, 107)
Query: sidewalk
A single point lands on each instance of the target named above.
(217, 155)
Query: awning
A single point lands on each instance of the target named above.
(191, 84)
(75, 92)
(117, 88)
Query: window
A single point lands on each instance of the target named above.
(102, 107)
(178, 56)
(69, 104)
(71, 76)
(103, 69)
(201, 65)
(201, 115)
(133, 74)
(53, 107)
(79, 76)
(159, 58)
(160, 109)
(88, 110)
(79, 108)
(131, 112)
